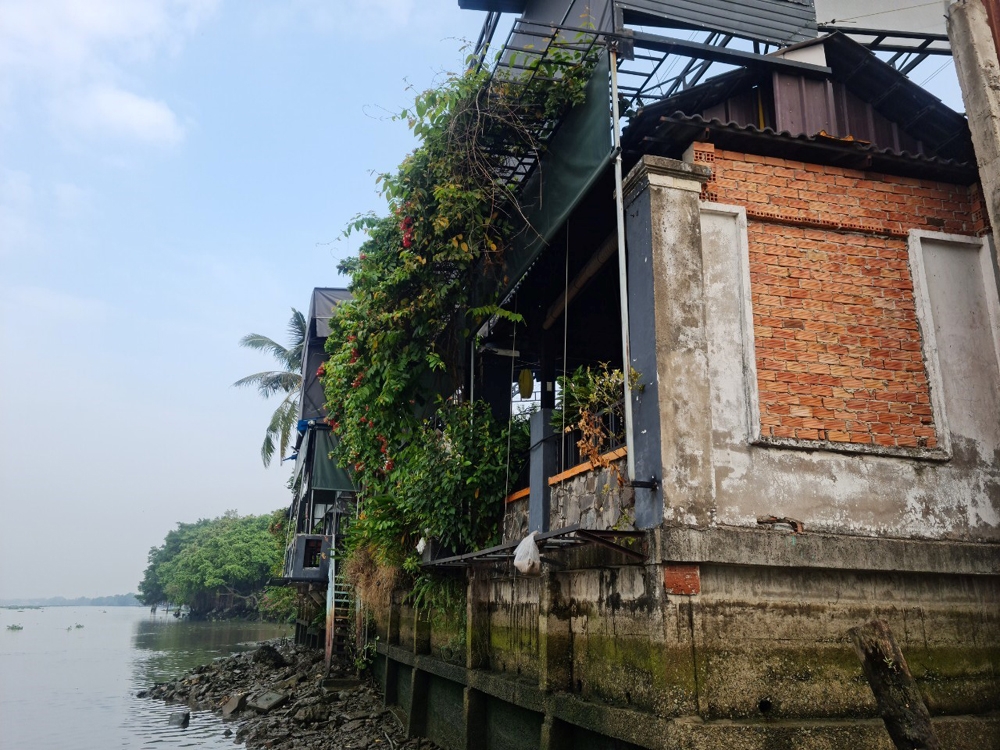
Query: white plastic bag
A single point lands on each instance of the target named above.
(526, 558)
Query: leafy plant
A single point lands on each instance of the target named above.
(427, 275)
(455, 473)
(591, 400)
(364, 656)
(436, 593)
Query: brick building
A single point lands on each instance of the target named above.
(813, 313)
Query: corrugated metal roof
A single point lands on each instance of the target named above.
(673, 133)
(929, 132)
(942, 130)
(775, 21)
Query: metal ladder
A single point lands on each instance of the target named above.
(339, 611)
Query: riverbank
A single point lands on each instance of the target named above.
(278, 698)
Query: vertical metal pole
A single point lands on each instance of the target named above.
(331, 605)
(622, 273)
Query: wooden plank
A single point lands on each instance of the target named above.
(513, 496)
(899, 701)
(587, 466)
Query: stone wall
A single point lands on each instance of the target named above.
(515, 520)
(595, 499)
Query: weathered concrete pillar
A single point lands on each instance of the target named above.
(555, 735)
(421, 631)
(978, 69)
(392, 624)
(390, 679)
(555, 639)
(477, 621)
(672, 419)
(416, 717)
(543, 466)
(474, 713)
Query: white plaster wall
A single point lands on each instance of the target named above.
(868, 494)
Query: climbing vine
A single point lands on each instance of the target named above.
(429, 465)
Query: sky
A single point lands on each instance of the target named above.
(175, 174)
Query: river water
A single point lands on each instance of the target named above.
(73, 688)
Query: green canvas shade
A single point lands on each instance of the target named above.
(578, 154)
(326, 474)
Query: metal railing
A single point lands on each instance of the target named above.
(568, 452)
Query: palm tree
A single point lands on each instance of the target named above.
(287, 380)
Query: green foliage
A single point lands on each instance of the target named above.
(230, 554)
(591, 400)
(287, 380)
(590, 390)
(426, 275)
(455, 471)
(437, 593)
(278, 603)
(364, 656)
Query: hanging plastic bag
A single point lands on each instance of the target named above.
(526, 558)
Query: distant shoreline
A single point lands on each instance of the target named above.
(116, 600)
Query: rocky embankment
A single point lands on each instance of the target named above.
(279, 698)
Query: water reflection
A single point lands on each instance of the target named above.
(176, 646)
(75, 688)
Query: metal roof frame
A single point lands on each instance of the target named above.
(567, 537)
(528, 49)
(648, 54)
(530, 45)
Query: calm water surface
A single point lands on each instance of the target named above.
(73, 688)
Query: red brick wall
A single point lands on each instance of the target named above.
(682, 578)
(837, 342)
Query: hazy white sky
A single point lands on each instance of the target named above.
(175, 174)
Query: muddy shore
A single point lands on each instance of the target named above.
(277, 697)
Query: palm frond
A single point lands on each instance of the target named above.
(288, 380)
(269, 345)
(297, 332)
(280, 428)
(267, 450)
(271, 382)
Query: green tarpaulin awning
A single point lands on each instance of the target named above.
(326, 475)
(576, 156)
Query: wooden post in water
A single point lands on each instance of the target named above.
(899, 702)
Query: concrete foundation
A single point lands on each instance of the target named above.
(756, 654)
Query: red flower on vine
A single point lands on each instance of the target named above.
(406, 227)
(321, 370)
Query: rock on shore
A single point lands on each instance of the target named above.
(280, 699)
